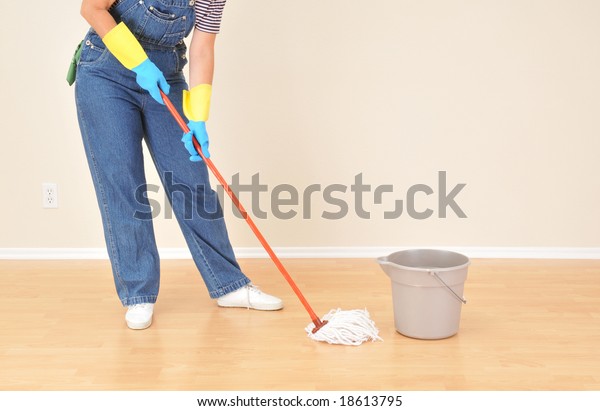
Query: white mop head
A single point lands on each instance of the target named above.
(352, 327)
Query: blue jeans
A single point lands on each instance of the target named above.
(115, 115)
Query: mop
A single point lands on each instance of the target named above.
(337, 327)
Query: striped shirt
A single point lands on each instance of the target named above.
(208, 14)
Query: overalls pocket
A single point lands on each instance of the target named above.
(161, 22)
(93, 49)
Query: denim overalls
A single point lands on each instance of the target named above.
(115, 115)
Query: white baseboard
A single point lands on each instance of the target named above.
(311, 252)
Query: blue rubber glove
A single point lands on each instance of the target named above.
(197, 130)
(149, 77)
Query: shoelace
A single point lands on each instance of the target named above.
(251, 288)
(255, 288)
(139, 307)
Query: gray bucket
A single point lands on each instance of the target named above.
(427, 289)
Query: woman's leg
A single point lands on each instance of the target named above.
(194, 202)
(111, 125)
(199, 213)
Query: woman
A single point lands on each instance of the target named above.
(133, 48)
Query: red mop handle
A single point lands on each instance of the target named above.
(318, 323)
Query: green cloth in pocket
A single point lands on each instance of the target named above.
(72, 73)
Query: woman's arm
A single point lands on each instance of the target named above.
(196, 100)
(202, 58)
(125, 47)
(96, 14)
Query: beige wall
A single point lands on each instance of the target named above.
(502, 95)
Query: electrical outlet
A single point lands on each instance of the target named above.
(49, 195)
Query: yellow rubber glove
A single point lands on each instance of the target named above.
(127, 49)
(196, 106)
(196, 102)
(124, 46)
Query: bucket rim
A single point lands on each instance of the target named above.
(385, 260)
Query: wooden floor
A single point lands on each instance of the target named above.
(528, 325)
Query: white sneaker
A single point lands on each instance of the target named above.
(139, 316)
(250, 296)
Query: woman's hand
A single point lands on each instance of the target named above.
(198, 131)
(150, 78)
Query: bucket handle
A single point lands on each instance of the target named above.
(461, 299)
